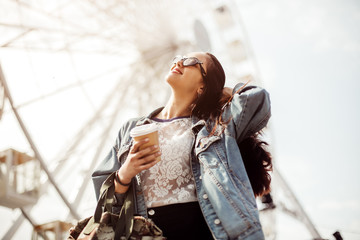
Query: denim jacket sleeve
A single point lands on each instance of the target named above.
(106, 167)
(249, 110)
(113, 160)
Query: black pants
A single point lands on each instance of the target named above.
(183, 221)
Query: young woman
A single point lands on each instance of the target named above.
(200, 189)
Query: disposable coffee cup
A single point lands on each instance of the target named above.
(146, 131)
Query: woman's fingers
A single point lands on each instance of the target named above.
(139, 160)
(150, 161)
(149, 158)
(138, 144)
(144, 152)
(148, 165)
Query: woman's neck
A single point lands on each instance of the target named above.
(175, 107)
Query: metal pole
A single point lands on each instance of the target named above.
(114, 116)
(300, 212)
(34, 148)
(2, 99)
(65, 153)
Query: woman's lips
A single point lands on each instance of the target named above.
(176, 70)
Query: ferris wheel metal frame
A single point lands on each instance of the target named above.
(121, 28)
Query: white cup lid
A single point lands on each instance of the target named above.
(143, 130)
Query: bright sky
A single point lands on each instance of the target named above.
(309, 55)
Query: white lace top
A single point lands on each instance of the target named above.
(170, 180)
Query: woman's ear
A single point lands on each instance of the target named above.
(200, 90)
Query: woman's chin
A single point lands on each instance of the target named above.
(170, 79)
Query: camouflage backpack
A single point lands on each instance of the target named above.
(105, 225)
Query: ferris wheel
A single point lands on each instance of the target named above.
(72, 71)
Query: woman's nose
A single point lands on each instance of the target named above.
(179, 63)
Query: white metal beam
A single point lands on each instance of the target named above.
(38, 156)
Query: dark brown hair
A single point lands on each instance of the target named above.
(258, 163)
(256, 158)
(208, 103)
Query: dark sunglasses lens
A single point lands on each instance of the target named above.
(190, 62)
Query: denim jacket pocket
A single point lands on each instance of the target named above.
(204, 143)
(205, 151)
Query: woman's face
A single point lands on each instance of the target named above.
(188, 80)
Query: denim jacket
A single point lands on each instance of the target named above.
(222, 186)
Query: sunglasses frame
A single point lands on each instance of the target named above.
(178, 58)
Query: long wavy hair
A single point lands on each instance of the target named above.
(209, 105)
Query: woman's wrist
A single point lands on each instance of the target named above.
(121, 178)
(122, 181)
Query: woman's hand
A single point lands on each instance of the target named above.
(137, 161)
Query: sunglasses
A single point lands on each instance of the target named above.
(189, 61)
